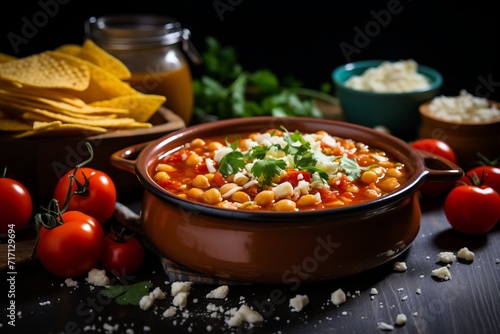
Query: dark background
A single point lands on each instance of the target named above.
(303, 39)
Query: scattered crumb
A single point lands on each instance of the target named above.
(178, 287)
(385, 326)
(218, 293)
(146, 302)
(400, 266)
(98, 277)
(170, 312)
(338, 297)
(70, 282)
(244, 313)
(446, 257)
(298, 302)
(465, 254)
(442, 273)
(401, 319)
(373, 291)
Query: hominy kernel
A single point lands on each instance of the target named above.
(240, 197)
(285, 205)
(394, 172)
(306, 200)
(369, 177)
(388, 184)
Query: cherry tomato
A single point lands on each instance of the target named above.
(16, 205)
(491, 176)
(98, 198)
(442, 149)
(122, 255)
(472, 209)
(72, 248)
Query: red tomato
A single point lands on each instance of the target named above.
(122, 256)
(16, 205)
(437, 147)
(294, 176)
(441, 148)
(471, 209)
(72, 248)
(98, 200)
(491, 176)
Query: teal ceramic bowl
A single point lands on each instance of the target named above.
(398, 112)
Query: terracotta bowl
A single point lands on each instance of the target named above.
(466, 138)
(282, 247)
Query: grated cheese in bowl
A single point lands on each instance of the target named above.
(463, 108)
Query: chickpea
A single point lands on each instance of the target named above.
(394, 172)
(200, 181)
(306, 200)
(193, 159)
(240, 197)
(369, 177)
(227, 205)
(371, 193)
(212, 196)
(197, 142)
(264, 198)
(389, 184)
(196, 193)
(249, 206)
(285, 205)
(214, 146)
(165, 168)
(161, 176)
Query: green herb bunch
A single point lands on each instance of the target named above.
(225, 90)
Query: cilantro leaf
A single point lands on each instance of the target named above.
(231, 163)
(265, 170)
(127, 294)
(350, 167)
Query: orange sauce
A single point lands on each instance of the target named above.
(175, 85)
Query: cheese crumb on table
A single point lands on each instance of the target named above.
(218, 293)
(298, 302)
(244, 313)
(442, 273)
(401, 319)
(338, 297)
(146, 301)
(465, 254)
(385, 326)
(170, 312)
(446, 257)
(177, 287)
(400, 266)
(98, 277)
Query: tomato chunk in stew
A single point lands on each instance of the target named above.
(278, 170)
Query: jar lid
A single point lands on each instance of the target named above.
(138, 31)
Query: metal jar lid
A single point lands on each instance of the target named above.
(129, 31)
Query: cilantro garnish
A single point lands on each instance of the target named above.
(231, 163)
(127, 294)
(265, 170)
(350, 167)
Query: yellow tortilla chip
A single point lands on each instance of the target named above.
(13, 124)
(141, 106)
(59, 128)
(5, 57)
(46, 70)
(70, 49)
(93, 53)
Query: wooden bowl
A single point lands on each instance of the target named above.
(465, 138)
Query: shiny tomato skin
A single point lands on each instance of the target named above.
(72, 248)
(442, 149)
(491, 176)
(122, 257)
(472, 210)
(437, 147)
(101, 199)
(16, 205)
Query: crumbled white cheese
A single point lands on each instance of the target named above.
(464, 107)
(373, 291)
(110, 328)
(244, 313)
(465, 254)
(158, 293)
(399, 76)
(298, 302)
(70, 282)
(146, 302)
(385, 326)
(446, 257)
(177, 287)
(219, 292)
(98, 277)
(170, 312)
(338, 297)
(400, 266)
(180, 299)
(401, 319)
(442, 273)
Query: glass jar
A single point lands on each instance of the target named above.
(149, 46)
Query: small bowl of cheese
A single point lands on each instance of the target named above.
(469, 124)
(386, 94)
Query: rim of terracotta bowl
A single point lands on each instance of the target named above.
(424, 111)
(149, 156)
(435, 78)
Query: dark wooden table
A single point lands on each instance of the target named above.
(468, 303)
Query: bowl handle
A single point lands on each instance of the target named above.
(439, 168)
(125, 158)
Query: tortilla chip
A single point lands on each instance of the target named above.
(141, 106)
(96, 55)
